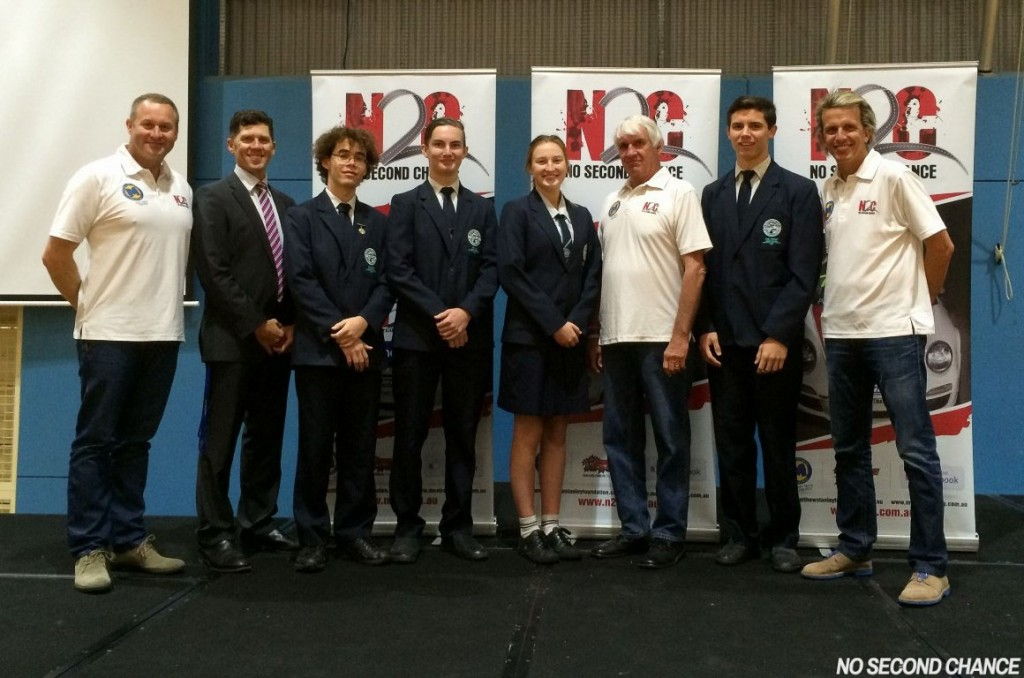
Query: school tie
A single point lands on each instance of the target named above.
(563, 233)
(448, 208)
(273, 234)
(343, 210)
(743, 199)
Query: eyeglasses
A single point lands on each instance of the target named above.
(344, 156)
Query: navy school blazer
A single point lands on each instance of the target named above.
(336, 272)
(545, 289)
(761, 274)
(429, 272)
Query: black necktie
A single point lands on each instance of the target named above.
(563, 233)
(743, 199)
(449, 210)
(343, 210)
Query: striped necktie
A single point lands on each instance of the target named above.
(273, 234)
(563, 234)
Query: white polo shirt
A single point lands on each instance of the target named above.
(644, 231)
(137, 230)
(875, 224)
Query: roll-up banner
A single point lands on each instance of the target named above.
(583, 106)
(925, 115)
(394, 107)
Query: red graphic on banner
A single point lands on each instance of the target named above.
(949, 423)
(916, 120)
(585, 120)
(584, 123)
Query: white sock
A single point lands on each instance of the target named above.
(528, 525)
(549, 523)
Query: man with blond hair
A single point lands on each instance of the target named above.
(888, 252)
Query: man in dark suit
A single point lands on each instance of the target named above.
(766, 226)
(336, 274)
(442, 270)
(244, 339)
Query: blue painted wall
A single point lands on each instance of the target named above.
(49, 398)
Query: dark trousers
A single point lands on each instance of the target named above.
(124, 388)
(237, 393)
(465, 379)
(741, 401)
(337, 420)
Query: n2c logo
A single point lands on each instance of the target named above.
(585, 122)
(911, 120)
(371, 118)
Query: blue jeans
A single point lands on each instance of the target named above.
(633, 377)
(896, 365)
(125, 385)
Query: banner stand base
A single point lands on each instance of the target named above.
(891, 542)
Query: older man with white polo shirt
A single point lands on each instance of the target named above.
(653, 240)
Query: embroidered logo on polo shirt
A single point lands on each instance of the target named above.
(650, 208)
(181, 200)
(132, 192)
(867, 207)
(828, 209)
(614, 208)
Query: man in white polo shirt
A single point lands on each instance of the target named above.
(888, 252)
(135, 213)
(653, 240)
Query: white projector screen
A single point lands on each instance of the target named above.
(69, 73)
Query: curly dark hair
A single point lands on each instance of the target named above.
(324, 146)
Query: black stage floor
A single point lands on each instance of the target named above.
(504, 617)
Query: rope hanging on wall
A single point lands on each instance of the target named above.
(1018, 103)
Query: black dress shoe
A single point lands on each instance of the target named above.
(663, 553)
(224, 557)
(558, 541)
(534, 548)
(620, 545)
(311, 559)
(464, 546)
(735, 552)
(785, 559)
(275, 540)
(363, 551)
(405, 550)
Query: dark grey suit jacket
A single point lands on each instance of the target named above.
(232, 256)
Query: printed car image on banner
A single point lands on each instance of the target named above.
(583, 106)
(925, 119)
(395, 107)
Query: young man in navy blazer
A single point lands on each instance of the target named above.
(442, 270)
(766, 226)
(336, 268)
(245, 339)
